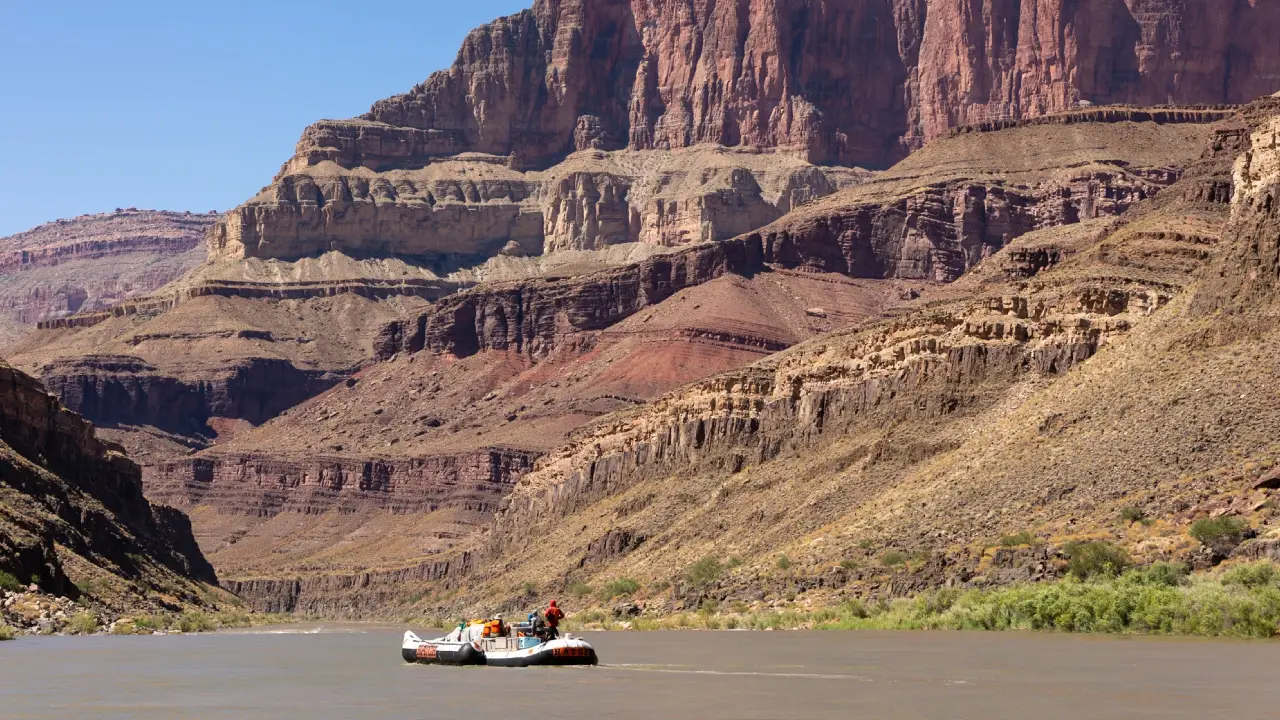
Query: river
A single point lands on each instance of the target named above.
(356, 672)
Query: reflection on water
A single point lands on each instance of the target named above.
(355, 671)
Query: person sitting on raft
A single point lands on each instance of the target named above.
(554, 615)
(495, 627)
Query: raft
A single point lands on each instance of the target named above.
(500, 651)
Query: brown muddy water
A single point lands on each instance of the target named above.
(356, 672)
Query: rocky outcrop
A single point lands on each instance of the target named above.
(93, 262)
(450, 168)
(125, 390)
(1249, 278)
(60, 487)
(944, 230)
(853, 82)
(263, 486)
(534, 317)
(355, 595)
(468, 207)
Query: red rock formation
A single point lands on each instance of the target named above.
(533, 316)
(849, 81)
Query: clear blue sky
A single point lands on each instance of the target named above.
(191, 105)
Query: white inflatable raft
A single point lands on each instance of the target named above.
(460, 649)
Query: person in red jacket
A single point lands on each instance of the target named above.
(553, 615)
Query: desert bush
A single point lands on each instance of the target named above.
(195, 622)
(783, 562)
(1223, 530)
(232, 619)
(1095, 558)
(893, 557)
(660, 586)
(1132, 514)
(578, 589)
(619, 587)
(9, 582)
(1161, 574)
(1252, 575)
(704, 572)
(849, 564)
(150, 623)
(1022, 538)
(6, 632)
(82, 623)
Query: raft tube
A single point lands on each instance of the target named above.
(439, 652)
(561, 651)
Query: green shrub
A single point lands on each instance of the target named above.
(1161, 574)
(854, 609)
(733, 562)
(620, 587)
(1222, 530)
(849, 564)
(893, 557)
(1133, 514)
(9, 582)
(234, 619)
(1095, 558)
(530, 589)
(1252, 575)
(738, 606)
(784, 562)
(1022, 538)
(578, 589)
(6, 632)
(704, 572)
(82, 623)
(864, 544)
(195, 622)
(91, 586)
(660, 586)
(151, 623)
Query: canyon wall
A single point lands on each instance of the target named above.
(855, 82)
(265, 486)
(93, 262)
(63, 487)
(550, 129)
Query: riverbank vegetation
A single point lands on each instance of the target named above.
(6, 632)
(1098, 596)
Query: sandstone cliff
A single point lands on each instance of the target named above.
(92, 262)
(570, 125)
(853, 82)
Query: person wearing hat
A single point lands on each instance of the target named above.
(495, 627)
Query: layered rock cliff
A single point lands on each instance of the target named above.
(850, 81)
(519, 364)
(1070, 376)
(67, 499)
(93, 262)
(563, 126)
(473, 207)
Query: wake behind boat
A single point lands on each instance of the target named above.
(469, 646)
